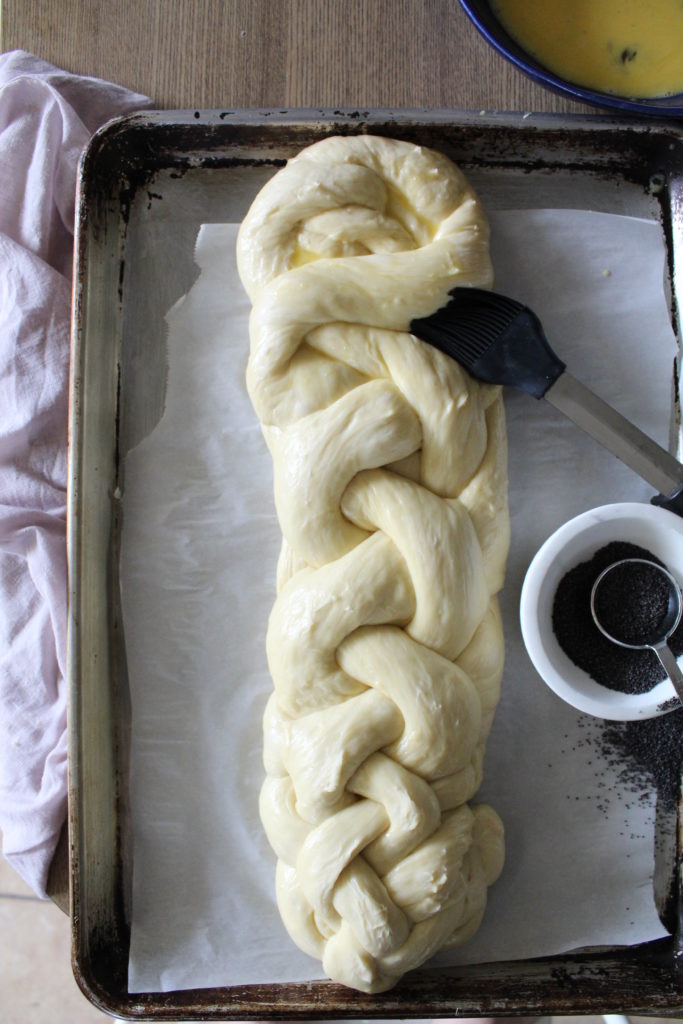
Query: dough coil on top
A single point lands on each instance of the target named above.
(384, 644)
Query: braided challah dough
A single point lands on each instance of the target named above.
(385, 643)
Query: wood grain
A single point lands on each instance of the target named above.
(278, 53)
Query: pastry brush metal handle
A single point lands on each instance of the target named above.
(612, 430)
(500, 341)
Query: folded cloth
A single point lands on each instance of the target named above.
(46, 119)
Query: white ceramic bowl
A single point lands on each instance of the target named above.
(655, 529)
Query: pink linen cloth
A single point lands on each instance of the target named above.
(46, 119)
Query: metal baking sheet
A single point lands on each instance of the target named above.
(147, 183)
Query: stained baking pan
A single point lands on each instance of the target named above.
(148, 182)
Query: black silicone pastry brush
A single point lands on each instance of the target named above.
(500, 341)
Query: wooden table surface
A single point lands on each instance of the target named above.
(278, 53)
(275, 53)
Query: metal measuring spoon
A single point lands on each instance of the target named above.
(658, 636)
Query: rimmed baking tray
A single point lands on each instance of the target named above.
(148, 182)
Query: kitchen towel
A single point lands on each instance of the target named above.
(46, 118)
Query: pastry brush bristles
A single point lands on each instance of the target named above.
(498, 310)
(471, 321)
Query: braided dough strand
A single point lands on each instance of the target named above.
(385, 642)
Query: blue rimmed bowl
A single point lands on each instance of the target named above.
(480, 13)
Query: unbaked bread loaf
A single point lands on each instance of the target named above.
(385, 643)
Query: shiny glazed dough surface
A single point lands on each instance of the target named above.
(384, 644)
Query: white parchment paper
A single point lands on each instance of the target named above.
(200, 543)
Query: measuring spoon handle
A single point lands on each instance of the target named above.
(670, 666)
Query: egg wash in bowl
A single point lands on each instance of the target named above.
(625, 47)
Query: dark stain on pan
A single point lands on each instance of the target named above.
(122, 272)
(133, 148)
(117, 446)
(583, 983)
